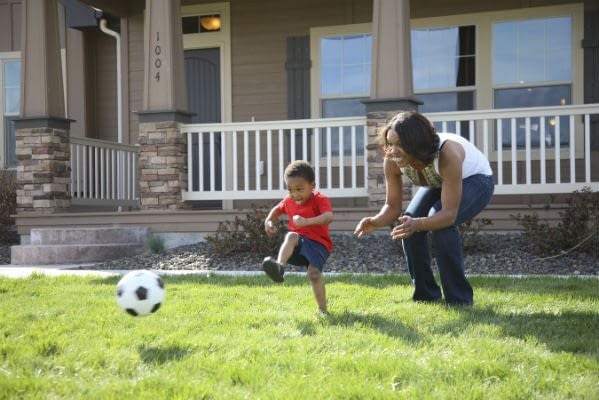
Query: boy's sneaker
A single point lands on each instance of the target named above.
(273, 269)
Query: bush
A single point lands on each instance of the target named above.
(248, 235)
(156, 244)
(469, 233)
(8, 206)
(578, 227)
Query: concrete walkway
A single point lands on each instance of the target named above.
(23, 271)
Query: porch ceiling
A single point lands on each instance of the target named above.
(118, 8)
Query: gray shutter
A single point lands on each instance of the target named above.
(298, 77)
(298, 84)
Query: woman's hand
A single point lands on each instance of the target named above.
(365, 226)
(406, 228)
(270, 227)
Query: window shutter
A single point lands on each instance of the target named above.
(298, 77)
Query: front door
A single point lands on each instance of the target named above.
(202, 74)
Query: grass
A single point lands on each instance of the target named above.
(244, 337)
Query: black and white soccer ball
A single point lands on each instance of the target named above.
(140, 293)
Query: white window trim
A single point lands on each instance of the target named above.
(5, 56)
(483, 22)
(315, 35)
(220, 39)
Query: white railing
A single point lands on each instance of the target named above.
(103, 173)
(532, 150)
(247, 160)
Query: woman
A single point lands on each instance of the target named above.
(456, 184)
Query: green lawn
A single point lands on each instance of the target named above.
(244, 337)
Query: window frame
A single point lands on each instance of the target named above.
(484, 87)
(6, 56)
(316, 34)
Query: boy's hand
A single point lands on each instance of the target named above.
(270, 227)
(299, 221)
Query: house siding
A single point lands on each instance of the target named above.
(136, 73)
(10, 25)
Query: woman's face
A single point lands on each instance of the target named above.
(394, 151)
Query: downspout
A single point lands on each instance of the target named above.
(119, 95)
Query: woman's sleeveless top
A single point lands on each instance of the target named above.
(474, 163)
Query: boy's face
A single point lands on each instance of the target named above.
(299, 189)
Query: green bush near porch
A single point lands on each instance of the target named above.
(243, 337)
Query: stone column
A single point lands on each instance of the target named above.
(43, 171)
(391, 84)
(163, 150)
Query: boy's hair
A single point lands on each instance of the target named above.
(300, 169)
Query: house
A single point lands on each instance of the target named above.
(176, 115)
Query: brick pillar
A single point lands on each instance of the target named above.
(43, 173)
(42, 132)
(378, 113)
(162, 165)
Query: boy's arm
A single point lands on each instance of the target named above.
(271, 219)
(323, 219)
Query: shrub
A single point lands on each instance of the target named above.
(469, 233)
(155, 244)
(578, 227)
(8, 206)
(247, 234)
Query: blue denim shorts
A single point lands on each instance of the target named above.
(311, 252)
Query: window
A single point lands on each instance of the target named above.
(444, 70)
(532, 67)
(10, 77)
(345, 71)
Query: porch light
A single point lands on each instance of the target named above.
(210, 23)
(552, 121)
(562, 102)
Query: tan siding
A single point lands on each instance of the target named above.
(10, 25)
(106, 105)
(207, 221)
(259, 49)
(136, 73)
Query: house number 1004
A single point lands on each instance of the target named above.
(157, 60)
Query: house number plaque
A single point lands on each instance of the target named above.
(157, 59)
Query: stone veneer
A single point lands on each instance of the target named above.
(162, 166)
(376, 176)
(43, 172)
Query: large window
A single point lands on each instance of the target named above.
(10, 77)
(444, 70)
(532, 67)
(345, 71)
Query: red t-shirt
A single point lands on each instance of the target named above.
(316, 205)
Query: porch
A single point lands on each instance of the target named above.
(548, 152)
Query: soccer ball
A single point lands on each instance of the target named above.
(140, 293)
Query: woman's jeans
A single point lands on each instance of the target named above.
(476, 194)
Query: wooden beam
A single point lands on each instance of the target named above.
(118, 8)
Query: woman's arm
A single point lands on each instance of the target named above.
(451, 159)
(394, 195)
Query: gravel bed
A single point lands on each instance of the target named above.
(375, 253)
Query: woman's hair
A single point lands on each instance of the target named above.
(417, 136)
(300, 169)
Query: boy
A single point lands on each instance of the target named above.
(308, 242)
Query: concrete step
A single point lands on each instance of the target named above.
(89, 235)
(72, 253)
